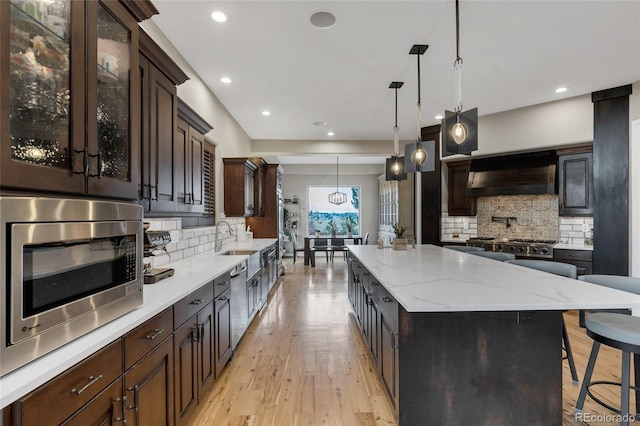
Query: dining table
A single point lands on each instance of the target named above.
(357, 240)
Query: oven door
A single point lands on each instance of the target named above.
(61, 271)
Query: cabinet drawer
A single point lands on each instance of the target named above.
(55, 401)
(139, 341)
(190, 305)
(564, 254)
(386, 301)
(221, 284)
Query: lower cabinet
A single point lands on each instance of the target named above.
(388, 359)
(149, 388)
(582, 259)
(223, 348)
(107, 408)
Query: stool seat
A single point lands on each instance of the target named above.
(616, 327)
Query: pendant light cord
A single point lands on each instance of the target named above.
(419, 105)
(396, 144)
(458, 64)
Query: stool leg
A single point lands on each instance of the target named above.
(587, 377)
(567, 347)
(624, 390)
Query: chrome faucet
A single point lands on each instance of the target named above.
(218, 244)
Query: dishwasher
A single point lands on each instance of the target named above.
(239, 309)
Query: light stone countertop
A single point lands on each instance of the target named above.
(433, 279)
(190, 274)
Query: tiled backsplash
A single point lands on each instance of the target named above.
(188, 242)
(536, 218)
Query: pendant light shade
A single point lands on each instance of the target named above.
(394, 167)
(460, 128)
(337, 197)
(419, 156)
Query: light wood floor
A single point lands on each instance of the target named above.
(302, 362)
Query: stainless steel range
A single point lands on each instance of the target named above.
(529, 248)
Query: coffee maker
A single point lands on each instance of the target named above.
(155, 241)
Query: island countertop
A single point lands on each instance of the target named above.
(434, 279)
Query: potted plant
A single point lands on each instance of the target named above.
(399, 243)
(350, 224)
(331, 227)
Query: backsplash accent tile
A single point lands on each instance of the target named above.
(188, 242)
(536, 216)
(572, 229)
(464, 226)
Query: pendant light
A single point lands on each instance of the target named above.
(394, 169)
(460, 128)
(337, 197)
(419, 156)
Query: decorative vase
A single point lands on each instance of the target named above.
(333, 232)
(399, 243)
(349, 234)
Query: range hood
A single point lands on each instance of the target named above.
(531, 173)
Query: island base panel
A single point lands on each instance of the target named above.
(480, 368)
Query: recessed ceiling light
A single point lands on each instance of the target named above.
(330, 134)
(322, 19)
(319, 123)
(218, 16)
(225, 80)
(265, 112)
(561, 89)
(439, 117)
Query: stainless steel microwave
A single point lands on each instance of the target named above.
(67, 267)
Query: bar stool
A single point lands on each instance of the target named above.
(465, 249)
(614, 281)
(566, 270)
(619, 331)
(495, 255)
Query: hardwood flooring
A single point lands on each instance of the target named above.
(303, 362)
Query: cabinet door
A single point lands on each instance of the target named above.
(42, 96)
(206, 357)
(180, 156)
(222, 333)
(194, 164)
(185, 352)
(249, 186)
(113, 115)
(105, 409)
(459, 203)
(388, 354)
(149, 388)
(575, 184)
(163, 109)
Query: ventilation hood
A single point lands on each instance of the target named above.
(530, 173)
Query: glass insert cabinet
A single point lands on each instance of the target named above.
(69, 109)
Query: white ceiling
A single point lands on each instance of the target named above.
(516, 53)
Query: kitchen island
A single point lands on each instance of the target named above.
(461, 339)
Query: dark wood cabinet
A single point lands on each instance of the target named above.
(575, 184)
(222, 335)
(159, 76)
(267, 225)
(107, 408)
(388, 360)
(149, 388)
(73, 390)
(75, 129)
(239, 187)
(459, 203)
(582, 259)
(194, 363)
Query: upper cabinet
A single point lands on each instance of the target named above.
(459, 203)
(69, 96)
(239, 185)
(575, 182)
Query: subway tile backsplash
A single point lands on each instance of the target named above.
(188, 242)
(536, 218)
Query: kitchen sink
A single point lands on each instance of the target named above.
(237, 252)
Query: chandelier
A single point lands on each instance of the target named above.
(337, 197)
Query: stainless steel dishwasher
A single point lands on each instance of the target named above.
(239, 309)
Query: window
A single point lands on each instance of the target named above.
(323, 214)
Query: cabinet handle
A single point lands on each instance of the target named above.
(387, 299)
(572, 255)
(192, 199)
(123, 418)
(223, 298)
(196, 302)
(92, 380)
(223, 283)
(85, 162)
(153, 189)
(195, 333)
(136, 392)
(156, 334)
(99, 157)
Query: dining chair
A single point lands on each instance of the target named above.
(319, 245)
(565, 270)
(365, 240)
(296, 249)
(337, 244)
